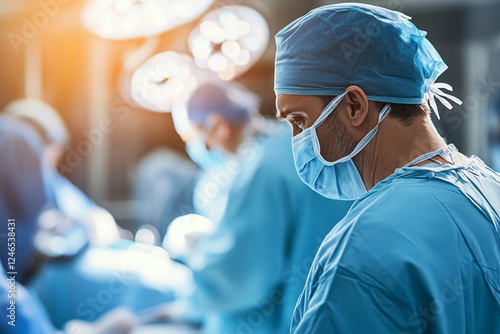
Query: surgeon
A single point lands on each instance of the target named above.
(52, 131)
(221, 129)
(22, 197)
(249, 272)
(22, 193)
(419, 251)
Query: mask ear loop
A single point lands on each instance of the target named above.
(366, 139)
(328, 110)
(447, 155)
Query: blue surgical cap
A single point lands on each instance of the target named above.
(335, 46)
(229, 100)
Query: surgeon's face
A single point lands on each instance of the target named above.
(302, 111)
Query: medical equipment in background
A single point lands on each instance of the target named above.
(123, 20)
(229, 40)
(126, 19)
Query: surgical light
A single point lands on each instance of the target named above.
(125, 19)
(165, 80)
(229, 40)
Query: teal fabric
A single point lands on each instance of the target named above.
(335, 46)
(251, 271)
(30, 316)
(106, 277)
(419, 253)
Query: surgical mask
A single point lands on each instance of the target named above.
(202, 156)
(335, 180)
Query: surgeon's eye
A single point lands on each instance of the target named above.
(298, 123)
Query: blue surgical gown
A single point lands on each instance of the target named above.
(250, 272)
(67, 197)
(30, 316)
(22, 190)
(22, 197)
(419, 253)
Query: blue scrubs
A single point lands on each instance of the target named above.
(108, 277)
(29, 316)
(67, 197)
(22, 196)
(250, 272)
(419, 253)
(22, 190)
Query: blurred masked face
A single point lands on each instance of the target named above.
(209, 134)
(205, 147)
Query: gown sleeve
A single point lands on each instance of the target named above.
(238, 266)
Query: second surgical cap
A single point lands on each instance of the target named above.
(231, 101)
(43, 116)
(379, 50)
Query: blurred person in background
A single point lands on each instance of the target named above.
(52, 131)
(163, 188)
(221, 131)
(22, 192)
(22, 198)
(419, 251)
(248, 273)
(71, 241)
(67, 201)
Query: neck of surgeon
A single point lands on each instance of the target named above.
(395, 145)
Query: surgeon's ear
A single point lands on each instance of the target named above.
(357, 105)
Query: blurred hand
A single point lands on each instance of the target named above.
(117, 321)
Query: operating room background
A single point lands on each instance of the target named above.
(82, 75)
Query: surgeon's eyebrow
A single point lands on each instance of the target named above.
(283, 114)
(279, 116)
(289, 112)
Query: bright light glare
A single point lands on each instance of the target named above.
(125, 19)
(184, 232)
(228, 74)
(166, 80)
(146, 266)
(230, 48)
(101, 226)
(146, 236)
(229, 40)
(123, 6)
(243, 58)
(217, 62)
